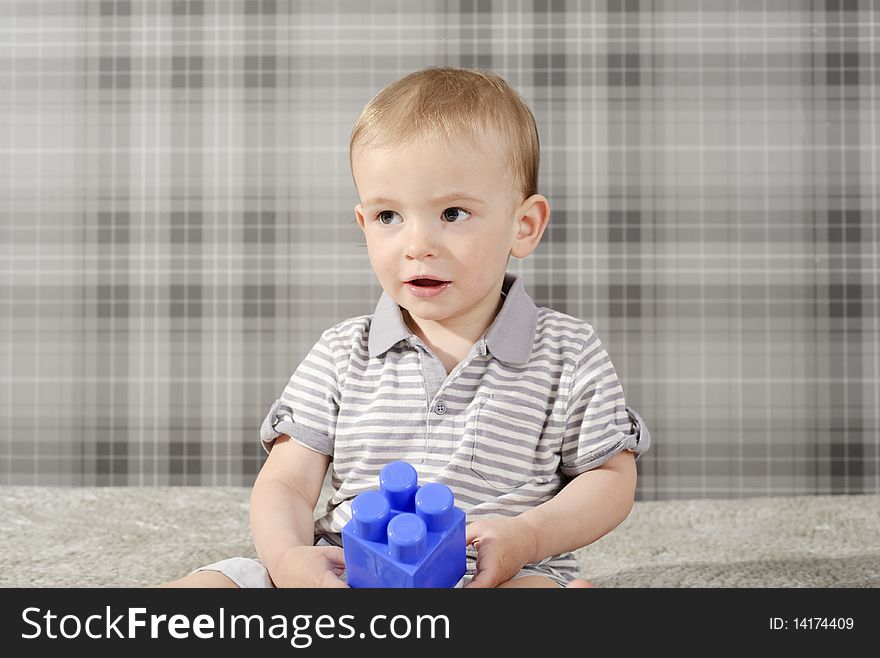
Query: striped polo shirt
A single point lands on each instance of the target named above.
(535, 402)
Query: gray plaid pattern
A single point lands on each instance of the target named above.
(176, 223)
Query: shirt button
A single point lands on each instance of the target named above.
(440, 408)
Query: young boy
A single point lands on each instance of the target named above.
(518, 409)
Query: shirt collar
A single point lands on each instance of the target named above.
(509, 338)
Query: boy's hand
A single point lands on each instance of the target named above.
(504, 546)
(310, 566)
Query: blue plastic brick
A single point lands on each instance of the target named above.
(404, 535)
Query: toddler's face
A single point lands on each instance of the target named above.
(447, 211)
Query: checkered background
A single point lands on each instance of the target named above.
(176, 222)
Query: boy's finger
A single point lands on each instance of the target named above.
(471, 533)
(332, 581)
(482, 579)
(335, 554)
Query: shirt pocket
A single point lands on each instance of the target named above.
(503, 434)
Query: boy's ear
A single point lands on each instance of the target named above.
(532, 217)
(359, 216)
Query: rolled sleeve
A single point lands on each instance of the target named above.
(309, 405)
(599, 425)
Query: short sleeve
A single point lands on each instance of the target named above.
(309, 405)
(598, 424)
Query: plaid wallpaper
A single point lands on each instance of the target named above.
(176, 222)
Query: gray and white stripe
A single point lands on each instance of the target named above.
(536, 402)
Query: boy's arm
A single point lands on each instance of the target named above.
(587, 508)
(283, 500)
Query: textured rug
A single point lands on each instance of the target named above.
(129, 537)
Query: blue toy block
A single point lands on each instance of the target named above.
(404, 535)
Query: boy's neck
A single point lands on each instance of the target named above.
(453, 337)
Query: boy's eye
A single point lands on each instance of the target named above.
(384, 215)
(454, 210)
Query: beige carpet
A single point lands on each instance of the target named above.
(124, 537)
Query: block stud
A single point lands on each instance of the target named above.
(370, 513)
(435, 505)
(407, 538)
(399, 482)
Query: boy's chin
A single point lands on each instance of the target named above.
(426, 312)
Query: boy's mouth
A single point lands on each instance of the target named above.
(427, 283)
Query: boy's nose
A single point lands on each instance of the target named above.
(421, 240)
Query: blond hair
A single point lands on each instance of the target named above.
(446, 103)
